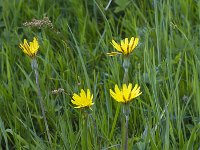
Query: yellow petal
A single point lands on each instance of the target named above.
(122, 42)
(82, 94)
(126, 41)
(131, 44)
(112, 94)
(91, 98)
(124, 46)
(116, 46)
(113, 53)
(135, 43)
(117, 96)
(117, 89)
(88, 94)
(126, 94)
(31, 48)
(84, 99)
(125, 91)
(135, 91)
(25, 41)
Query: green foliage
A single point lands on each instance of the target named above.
(72, 56)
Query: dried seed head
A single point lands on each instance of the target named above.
(58, 91)
(39, 23)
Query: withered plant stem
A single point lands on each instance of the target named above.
(35, 68)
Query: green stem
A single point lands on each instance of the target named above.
(84, 138)
(126, 64)
(34, 66)
(126, 111)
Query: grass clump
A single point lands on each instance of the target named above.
(73, 56)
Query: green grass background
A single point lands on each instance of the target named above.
(73, 56)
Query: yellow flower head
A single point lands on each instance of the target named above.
(125, 48)
(31, 48)
(84, 100)
(126, 94)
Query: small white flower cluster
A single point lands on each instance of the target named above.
(58, 91)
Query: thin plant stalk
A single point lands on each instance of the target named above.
(34, 66)
(126, 110)
(84, 139)
(126, 65)
(108, 5)
(126, 133)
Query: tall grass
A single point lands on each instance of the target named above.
(72, 56)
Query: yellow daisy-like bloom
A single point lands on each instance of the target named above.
(125, 48)
(126, 94)
(31, 48)
(84, 100)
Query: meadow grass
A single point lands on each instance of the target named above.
(72, 56)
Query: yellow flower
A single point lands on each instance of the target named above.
(126, 94)
(125, 48)
(31, 48)
(84, 100)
